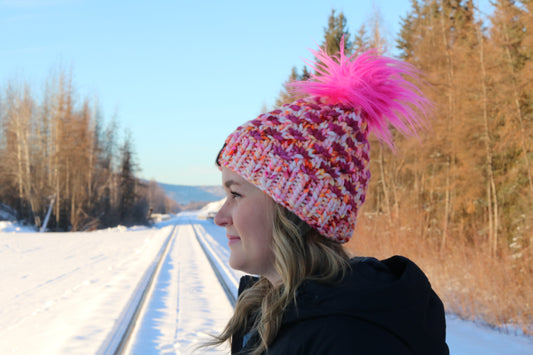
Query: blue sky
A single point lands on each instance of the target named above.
(179, 75)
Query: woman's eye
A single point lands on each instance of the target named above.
(235, 194)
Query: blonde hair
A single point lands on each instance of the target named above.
(300, 253)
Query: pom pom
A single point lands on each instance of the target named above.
(381, 87)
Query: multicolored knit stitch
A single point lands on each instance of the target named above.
(312, 155)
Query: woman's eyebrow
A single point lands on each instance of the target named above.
(230, 182)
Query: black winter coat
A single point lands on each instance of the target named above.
(381, 307)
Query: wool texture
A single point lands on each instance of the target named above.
(312, 155)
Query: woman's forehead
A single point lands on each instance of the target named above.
(229, 177)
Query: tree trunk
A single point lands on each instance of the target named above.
(492, 196)
(384, 184)
(449, 185)
(518, 108)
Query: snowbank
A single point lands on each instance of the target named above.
(14, 227)
(210, 210)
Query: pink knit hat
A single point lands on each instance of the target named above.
(312, 155)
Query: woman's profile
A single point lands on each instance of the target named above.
(295, 180)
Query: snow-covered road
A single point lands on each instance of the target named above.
(187, 304)
(65, 293)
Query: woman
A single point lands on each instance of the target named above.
(295, 179)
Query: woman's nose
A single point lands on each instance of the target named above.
(222, 217)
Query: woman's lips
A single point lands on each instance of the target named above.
(233, 239)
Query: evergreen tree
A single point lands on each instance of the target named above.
(406, 40)
(336, 30)
(439, 38)
(286, 95)
(305, 74)
(361, 40)
(513, 106)
(332, 38)
(127, 183)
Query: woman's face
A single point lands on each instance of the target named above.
(247, 217)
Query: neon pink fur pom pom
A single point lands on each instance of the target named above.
(375, 84)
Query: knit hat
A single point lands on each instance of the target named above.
(312, 155)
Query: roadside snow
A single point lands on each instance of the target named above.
(469, 338)
(63, 292)
(209, 210)
(14, 227)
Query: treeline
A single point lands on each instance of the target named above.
(471, 174)
(467, 190)
(55, 150)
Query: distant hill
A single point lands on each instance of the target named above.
(184, 194)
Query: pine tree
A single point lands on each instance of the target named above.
(286, 95)
(333, 34)
(332, 37)
(361, 40)
(513, 107)
(439, 38)
(127, 183)
(407, 42)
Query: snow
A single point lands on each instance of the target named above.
(65, 293)
(188, 302)
(214, 241)
(209, 210)
(14, 227)
(469, 338)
